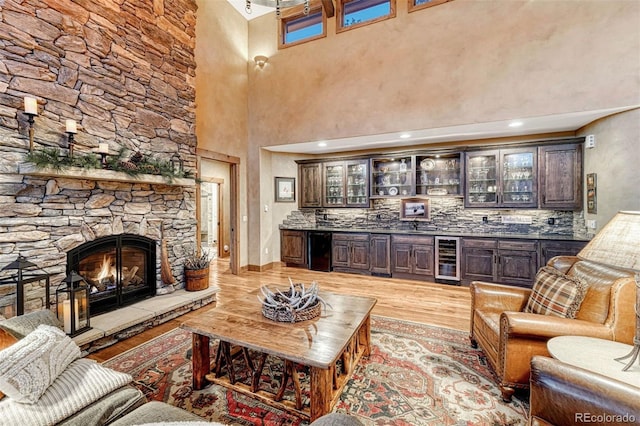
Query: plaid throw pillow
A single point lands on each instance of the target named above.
(556, 294)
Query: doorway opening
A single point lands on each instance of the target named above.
(219, 174)
(212, 217)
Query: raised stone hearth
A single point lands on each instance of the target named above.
(112, 327)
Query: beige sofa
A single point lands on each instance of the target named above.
(122, 406)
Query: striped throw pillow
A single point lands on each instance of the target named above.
(556, 294)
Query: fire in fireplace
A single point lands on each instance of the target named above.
(119, 269)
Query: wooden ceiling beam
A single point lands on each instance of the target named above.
(328, 8)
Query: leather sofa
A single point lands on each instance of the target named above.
(564, 395)
(510, 338)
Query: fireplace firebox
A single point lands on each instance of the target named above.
(119, 269)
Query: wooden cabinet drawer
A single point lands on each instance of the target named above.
(518, 245)
(350, 237)
(488, 243)
(411, 239)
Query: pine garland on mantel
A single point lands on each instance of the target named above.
(135, 165)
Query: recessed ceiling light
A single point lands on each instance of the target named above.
(405, 136)
(322, 144)
(516, 124)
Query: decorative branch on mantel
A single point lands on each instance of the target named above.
(138, 168)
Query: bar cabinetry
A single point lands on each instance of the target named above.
(502, 178)
(412, 256)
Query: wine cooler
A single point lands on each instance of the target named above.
(447, 258)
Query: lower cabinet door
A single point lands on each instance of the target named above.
(340, 254)
(359, 255)
(379, 257)
(423, 259)
(478, 264)
(517, 267)
(401, 258)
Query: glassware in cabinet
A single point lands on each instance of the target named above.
(357, 183)
(439, 174)
(392, 176)
(518, 177)
(334, 184)
(482, 178)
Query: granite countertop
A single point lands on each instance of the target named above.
(442, 233)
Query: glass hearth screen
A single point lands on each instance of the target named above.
(119, 271)
(100, 271)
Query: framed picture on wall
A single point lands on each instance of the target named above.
(285, 190)
(592, 202)
(414, 209)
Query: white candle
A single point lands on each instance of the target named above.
(30, 105)
(66, 313)
(103, 148)
(72, 127)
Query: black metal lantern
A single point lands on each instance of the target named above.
(27, 273)
(72, 304)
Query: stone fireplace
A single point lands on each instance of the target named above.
(125, 72)
(119, 269)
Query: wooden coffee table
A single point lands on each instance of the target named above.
(339, 333)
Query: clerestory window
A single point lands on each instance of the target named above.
(299, 28)
(422, 4)
(357, 13)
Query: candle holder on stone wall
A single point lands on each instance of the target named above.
(31, 121)
(177, 163)
(70, 143)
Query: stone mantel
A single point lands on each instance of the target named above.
(102, 175)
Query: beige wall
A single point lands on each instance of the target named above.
(221, 94)
(616, 162)
(458, 63)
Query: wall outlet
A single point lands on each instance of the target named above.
(590, 141)
(591, 224)
(266, 250)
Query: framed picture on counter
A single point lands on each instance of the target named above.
(285, 190)
(414, 209)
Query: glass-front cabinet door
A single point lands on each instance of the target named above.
(439, 175)
(333, 193)
(482, 184)
(392, 176)
(501, 178)
(519, 177)
(358, 183)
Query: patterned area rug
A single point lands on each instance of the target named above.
(416, 375)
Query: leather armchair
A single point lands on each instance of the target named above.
(564, 395)
(510, 338)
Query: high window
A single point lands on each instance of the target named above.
(421, 4)
(357, 13)
(299, 28)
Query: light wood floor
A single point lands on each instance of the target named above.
(436, 304)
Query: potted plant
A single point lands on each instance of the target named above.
(196, 270)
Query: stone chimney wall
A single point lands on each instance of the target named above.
(125, 71)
